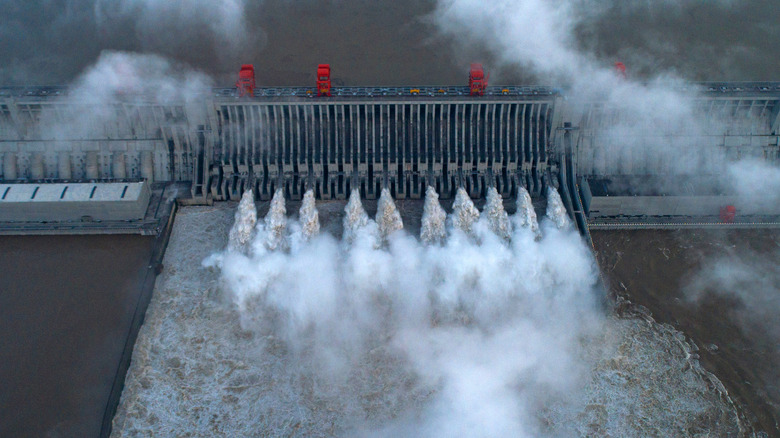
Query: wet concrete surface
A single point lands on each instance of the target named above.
(66, 304)
(719, 288)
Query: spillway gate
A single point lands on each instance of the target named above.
(337, 146)
(368, 138)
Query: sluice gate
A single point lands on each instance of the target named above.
(224, 142)
(364, 138)
(341, 145)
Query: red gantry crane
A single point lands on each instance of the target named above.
(246, 81)
(477, 80)
(323, 80)
(620, 68)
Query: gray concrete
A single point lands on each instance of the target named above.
(59, 202)
(601, 206)
(367, 137)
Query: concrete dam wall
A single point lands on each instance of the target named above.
(368, 138)
(727, 125)
(372, 144)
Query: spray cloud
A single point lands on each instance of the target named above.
(651, 127)
(101, 100)
(444, 336)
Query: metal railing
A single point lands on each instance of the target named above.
(765, 87)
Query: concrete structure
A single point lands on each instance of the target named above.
(368, 138)
(381, 142)
(635, 206)
(403, 138)
(77, 202)
(692, 196)
(728, 126)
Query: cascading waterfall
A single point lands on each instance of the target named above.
(434, 219)
(276, 223)
(556, 212)
(355, 217)
(375, 339)
(308, 216)
(464, 213)
(498, 219)
(525, 216)
(244, 225)
(388, 218)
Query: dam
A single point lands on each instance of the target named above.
(115, 332)
(401, 138)
(122, 159)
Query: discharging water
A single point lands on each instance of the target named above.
(477, 328)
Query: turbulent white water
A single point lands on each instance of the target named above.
(355, 217)
(275, 223)
(498, 219)
(556, 212)
(439, 327)
(388, 218)
(308, 216)
(469, 337)
(464, 213)
(525, 216)
(244, 224)
(433, 229)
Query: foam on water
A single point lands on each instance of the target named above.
(497, 218)
(556, 212)
(388, 218)
(433, 230)
(464, 213)
(525, 216)
(244, 224)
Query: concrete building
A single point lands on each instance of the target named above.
(76, 202)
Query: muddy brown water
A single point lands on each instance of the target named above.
(657, 268)
(380, 42)
(66, 304)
